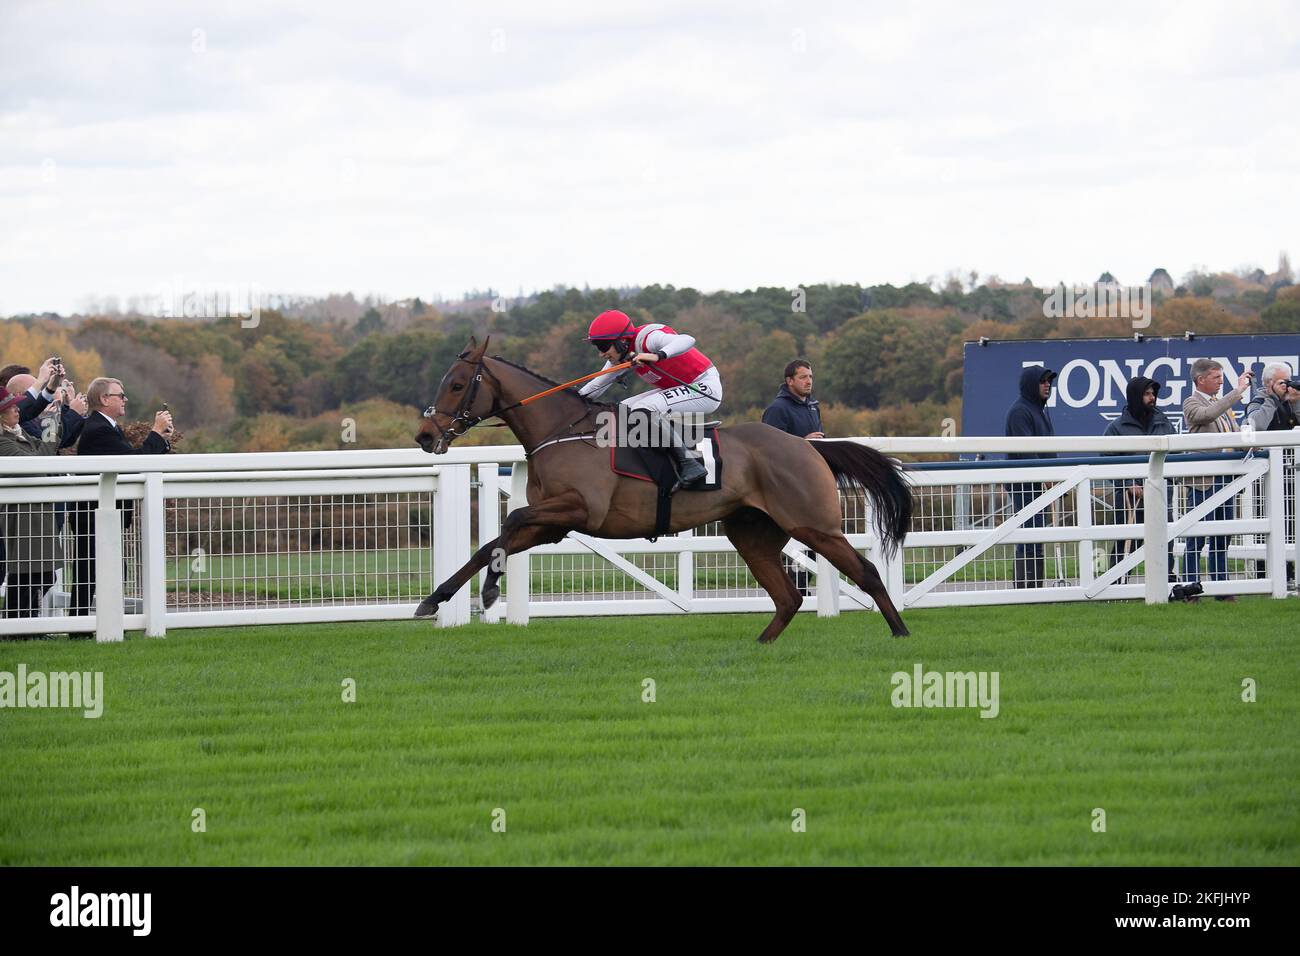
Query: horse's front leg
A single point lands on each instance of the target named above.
(543, 522)
(521, 540)
(447, 589)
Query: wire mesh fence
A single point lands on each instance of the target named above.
(241, 545)
(298, 550)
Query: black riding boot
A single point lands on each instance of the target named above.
(689, 468)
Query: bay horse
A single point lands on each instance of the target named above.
(775, 486)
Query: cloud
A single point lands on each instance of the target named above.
(405, 150)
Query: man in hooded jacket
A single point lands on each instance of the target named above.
(1141, 416)
(1028, 416)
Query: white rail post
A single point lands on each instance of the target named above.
(489, 525)
(1275, 502)
(1295, 503)
(686, 567)
(451, 538)
(1083, 516)
(108, 563)
(895, 583)
(828, 588)
(153, 566)
(1156, 531)
(517, 592)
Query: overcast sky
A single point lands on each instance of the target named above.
(429, 148)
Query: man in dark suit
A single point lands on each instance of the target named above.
(72, 412)
(36, 393)
(102, 435)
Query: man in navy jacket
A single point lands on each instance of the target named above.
(794, 410)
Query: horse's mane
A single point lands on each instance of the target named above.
(523, 368)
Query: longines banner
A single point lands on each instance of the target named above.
(1093, 374)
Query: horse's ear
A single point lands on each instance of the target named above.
(473, 344)
(483, 351)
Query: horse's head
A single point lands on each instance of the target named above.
(464, 398)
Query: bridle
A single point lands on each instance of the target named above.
(462, 416)
(463, 421)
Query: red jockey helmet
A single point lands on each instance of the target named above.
(609, 326)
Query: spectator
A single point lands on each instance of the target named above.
(797, 412)
(39, 394)
(31, 539)
(1276, 408)
(1204, 411)
(103, 436)
(794, 410)
(72, 405)
(1028, 416)
(1141, 416)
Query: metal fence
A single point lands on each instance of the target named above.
(208, 540)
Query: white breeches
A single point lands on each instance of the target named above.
(680, 399)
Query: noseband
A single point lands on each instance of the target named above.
(463, 421)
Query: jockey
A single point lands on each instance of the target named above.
(684, 378)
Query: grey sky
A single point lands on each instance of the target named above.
(424, 149)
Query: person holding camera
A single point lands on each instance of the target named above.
(72, 405)
(103, 436)
(1277, 406)
(1204, 411)
(37, 392)
(29, 530)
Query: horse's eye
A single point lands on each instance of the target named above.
(457, 387)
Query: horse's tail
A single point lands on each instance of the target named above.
(859, 467)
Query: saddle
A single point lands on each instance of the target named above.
(631, 456)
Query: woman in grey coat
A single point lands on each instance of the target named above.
(32, 549)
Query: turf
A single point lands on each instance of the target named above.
(1122, 707)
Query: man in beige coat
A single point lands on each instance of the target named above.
(1205, 411)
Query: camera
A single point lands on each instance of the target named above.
(1186, 592)
(1292, 383)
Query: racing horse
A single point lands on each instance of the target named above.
(774, 487)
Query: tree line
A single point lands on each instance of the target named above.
(887, 359)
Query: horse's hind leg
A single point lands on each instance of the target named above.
(521, 539)
(759, 540)
(835, 548)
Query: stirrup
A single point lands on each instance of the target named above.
(683, 481)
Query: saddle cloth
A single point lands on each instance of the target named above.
(656, 464)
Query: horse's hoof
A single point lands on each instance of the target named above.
(903, 633)
(490, 596)
(428, 607)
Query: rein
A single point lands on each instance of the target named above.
(462, 417)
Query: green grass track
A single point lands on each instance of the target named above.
(1134, 710)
